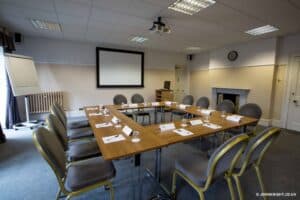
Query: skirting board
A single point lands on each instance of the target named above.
(271, 122)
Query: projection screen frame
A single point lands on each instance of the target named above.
(98, 49)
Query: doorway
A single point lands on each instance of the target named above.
(3, 89)
(293, 115)
(181, 82)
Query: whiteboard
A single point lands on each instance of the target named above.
(22, 74)
(119, 68)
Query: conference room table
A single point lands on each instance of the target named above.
(151, 136)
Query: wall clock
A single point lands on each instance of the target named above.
(232, 55)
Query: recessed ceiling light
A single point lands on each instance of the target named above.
(262, 30)
(45, 25)
(139, 39)
(193, 48)
(190, 7)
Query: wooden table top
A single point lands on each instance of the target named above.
(151, 136)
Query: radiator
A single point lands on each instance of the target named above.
(41, 102)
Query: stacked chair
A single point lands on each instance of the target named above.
(200, 172)
(76, 128)
(76, 150)
(77, 177)
(229, 160)
(252, 157)
(137, 98)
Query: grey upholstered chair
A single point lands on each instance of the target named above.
(253, 156)
(75, 150)
(227, 106)
(120, 99)
(187, 100)
(137, 98)
(73, 134)
(250, 110)
(76, 178)
(199, 172)
(203, 102)
(71, 122)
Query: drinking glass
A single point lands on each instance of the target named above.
(135, 137)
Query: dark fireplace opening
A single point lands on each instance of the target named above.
(235, 98)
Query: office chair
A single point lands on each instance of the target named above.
(120, 99)
(203, 102)
(137, 98)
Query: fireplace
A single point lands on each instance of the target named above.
(237, 95)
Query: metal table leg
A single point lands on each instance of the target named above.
(157, 165)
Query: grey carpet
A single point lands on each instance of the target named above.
(25, 175)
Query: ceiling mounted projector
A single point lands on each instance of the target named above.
(159, 27)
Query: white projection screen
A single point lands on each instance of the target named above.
(22, 74)
(119, 68)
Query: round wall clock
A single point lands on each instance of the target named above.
(232, 55)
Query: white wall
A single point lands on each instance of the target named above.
(287, 46)
(254, 53)
(70, 67)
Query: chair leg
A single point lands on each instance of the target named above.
(111, 191)
(173, 190)
(230, 186)
(58, 194)
(259, 177)
(239, 187)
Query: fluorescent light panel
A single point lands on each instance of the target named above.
(190, 7)
(262, 30)
(193, 48)
(139, 39)
(45, 25)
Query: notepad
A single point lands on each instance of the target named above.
(115, 120)
(155, 103)
(127, 130)
(183, 132)
(168, 103)
(166, 127)
(103, 125)
(92, 108)
(113, 138)
(207, 111)
(133, 105)
(183, 106)
(234, 118)
(95, 114)
(212, 126)
(196, 122)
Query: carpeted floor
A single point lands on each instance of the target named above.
(25, 175)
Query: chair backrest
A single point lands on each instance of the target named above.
(188, 100)
(137, 98)
(203, 102)
(258, 145)
(225, 156)
(52, 151)
(119, 99)
(55, 126)
(55, 111)
(60, 109)
(226, 105)
(251, 110)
